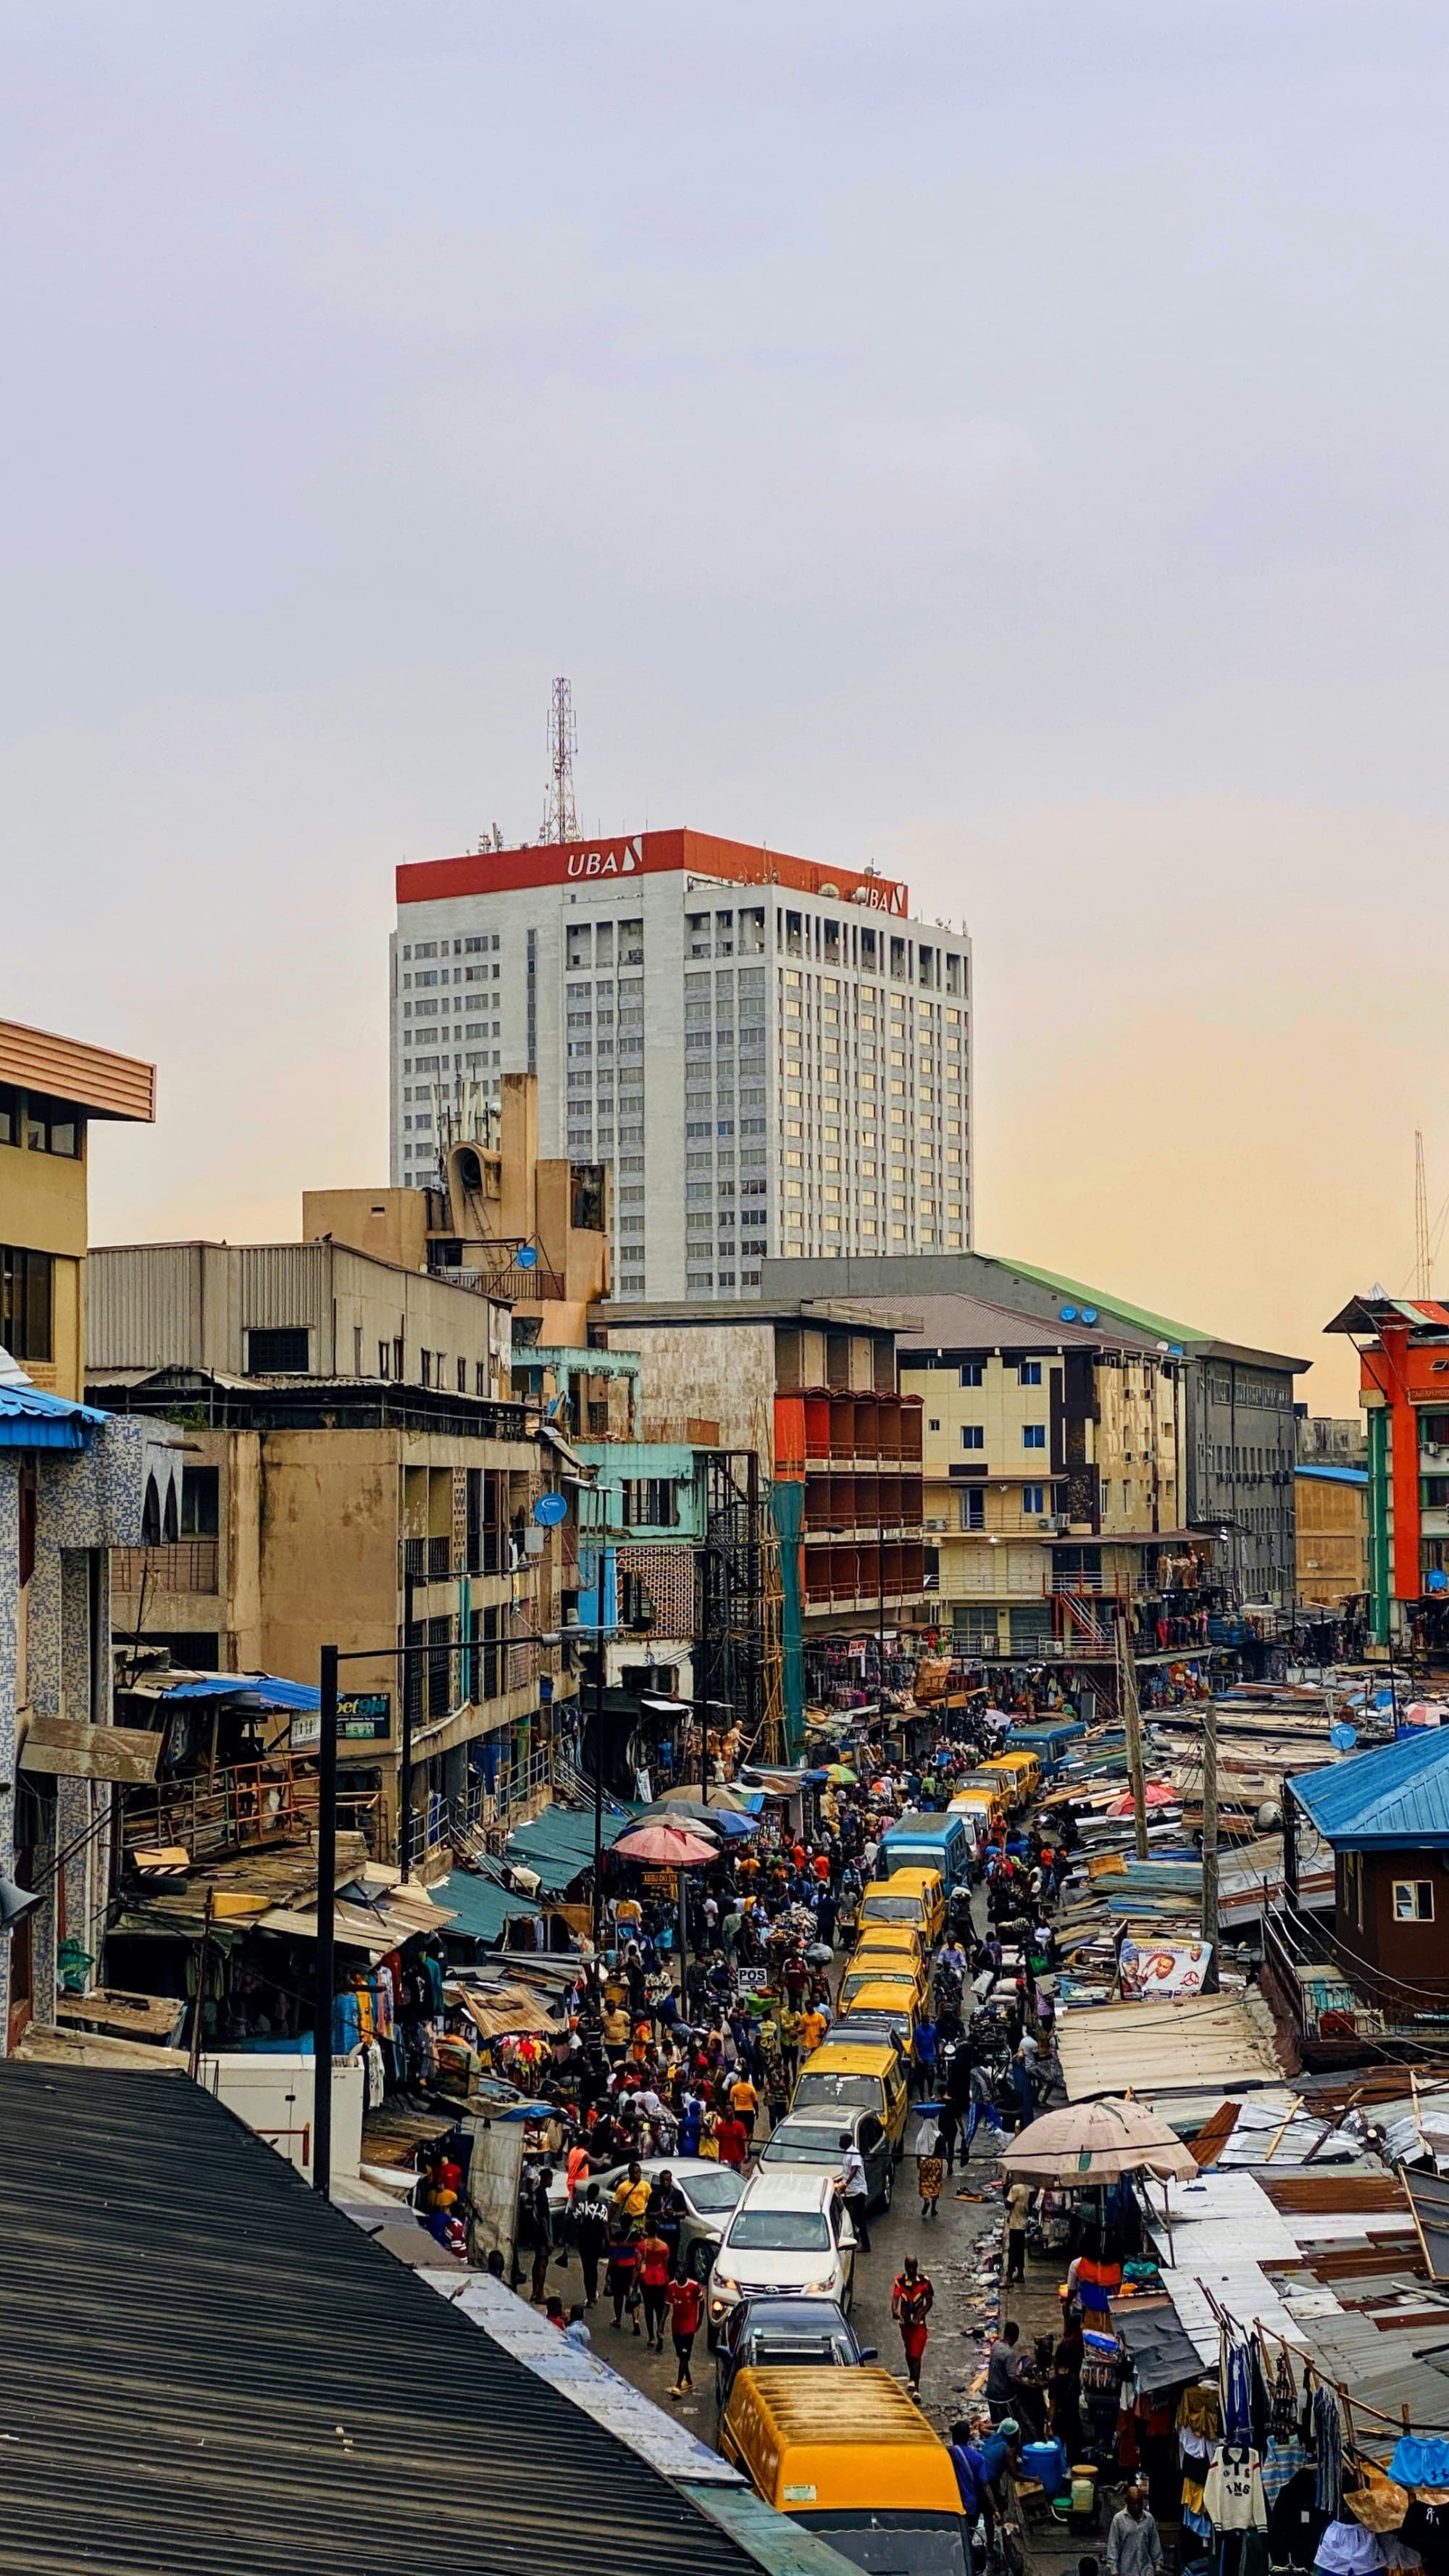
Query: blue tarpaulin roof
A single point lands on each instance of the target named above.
(30, 1419)
(479, 1905)
(559, 1843)
(266, 1687)
(1335, 1475)
(1395, 1798)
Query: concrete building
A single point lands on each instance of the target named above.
(795, 1407)
(1237, 1425)
(770, 1056)
(356, 1473)
(528, 1230)
(73, 1485)
(1332, 1533)
(1403, 1348)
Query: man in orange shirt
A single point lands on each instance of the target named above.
(745, 2102)
(813, 2027)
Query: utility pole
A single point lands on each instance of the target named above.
(1210, 1832)
(326, 1926)
(1132, 1723)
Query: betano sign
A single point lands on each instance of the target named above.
(562, 863)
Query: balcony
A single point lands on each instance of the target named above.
(181, 1565)
(238, 1809)
(512, 1286)
(1339, 2007)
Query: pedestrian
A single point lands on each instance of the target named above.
(732, 2140)
(1018, 2203)
(591, 2235)
(912, 2299)
(930, 2175)
(1134, 2546)
(745, 2102)
(542, 2218)
(855, 2189)
(1025, 2092)
(631, 2201)
(553, 2309)
(576, 2332)
(654, 2266)
(948, 2128)
(1004, 2367)
(685, 2301)
(624, 2280)
(923, 2070)
(971, 2481)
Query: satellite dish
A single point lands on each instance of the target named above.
(1068, 1315)
(525, 1258)
(1089, 1314)
(1437, 1581)
(550, 1509)
(1343, 1738)
(15, 1904)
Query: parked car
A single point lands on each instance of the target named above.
(710, 2193)
(790, 2237)
(785, 2334)
(812, 2137)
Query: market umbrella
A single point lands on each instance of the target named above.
(725, 1823)
(721, 1799)
(1097, 2142)
(665, 1846)
(1154, 1795)
(840, 1775)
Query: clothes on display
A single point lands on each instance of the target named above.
(1233, 2498)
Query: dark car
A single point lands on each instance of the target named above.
(785, 2334)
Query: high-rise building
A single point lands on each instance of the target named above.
(771, 1055)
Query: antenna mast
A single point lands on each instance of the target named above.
(560, 821)
(1423, 1256)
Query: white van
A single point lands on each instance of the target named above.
(789, 2238)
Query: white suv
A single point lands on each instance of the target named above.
(789, 2238)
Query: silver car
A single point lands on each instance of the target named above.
(710, 2193)
(812, 2137)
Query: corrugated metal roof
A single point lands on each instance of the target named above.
(1219, 2041)
(212, 2373)
(1396, 1797)
(70, 1069)
(479, 1906)
(1334, 1475)
(31, 1419)
(559, 1843)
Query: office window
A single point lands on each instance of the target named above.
(973, 1508)
(972, 1372)
(384, 1359)
(27, 1293)
(278, 1350)
(1033, 1499)
(972, 1436)
(1413, 1900)
(1033, 1435)
(1030, 1372)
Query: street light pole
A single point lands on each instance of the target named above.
(325, 1968)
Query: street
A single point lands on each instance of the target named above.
(944, 2245)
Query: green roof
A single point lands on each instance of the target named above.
(479, 1906)
(558, 1844)
(1142, 1316)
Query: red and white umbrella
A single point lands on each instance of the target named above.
(665, 1847)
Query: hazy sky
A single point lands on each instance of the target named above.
(1005, 440)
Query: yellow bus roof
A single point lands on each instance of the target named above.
(852, 2057)
(831, 2441)
(883, 1994)
(890, 1936)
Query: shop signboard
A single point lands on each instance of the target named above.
(1164, 1969)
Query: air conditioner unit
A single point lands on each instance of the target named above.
(933, 1525)
(1055, 1521)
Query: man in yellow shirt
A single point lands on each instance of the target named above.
(813, 2027)
(631, 2202)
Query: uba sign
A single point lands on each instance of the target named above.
(620, 859)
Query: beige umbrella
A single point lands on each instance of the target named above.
(1092, 2142)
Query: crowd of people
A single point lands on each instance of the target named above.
(647, 2071)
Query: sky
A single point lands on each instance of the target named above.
(1002, 439)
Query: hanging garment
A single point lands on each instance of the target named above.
(1233, 2497)
(1237, 2392)
(1346, 2549)
(1283, 2413)
(1420, 2463)
(1281, 2461)
(1328, 2447)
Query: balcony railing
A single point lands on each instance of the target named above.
(513, 1286)
(237, 1809)
(179, 1565)
(1337, 2001)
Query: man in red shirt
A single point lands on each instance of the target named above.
(686, 2307)
(732, 2139)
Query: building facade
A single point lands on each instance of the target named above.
(375, 1507)
(1403, 1347)
(73, 1485)
(1236, 1413)
(1332, 1531)
(768, 1055)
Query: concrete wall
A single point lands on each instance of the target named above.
(724, 1375)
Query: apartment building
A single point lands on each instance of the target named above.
(769, 1056)
(1237, 1415)
(73, 1485)
(1403, 1350)
(356, 1473)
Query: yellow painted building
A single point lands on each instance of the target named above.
(51, 1088)
(1052, 1463)
(1332, 1532)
